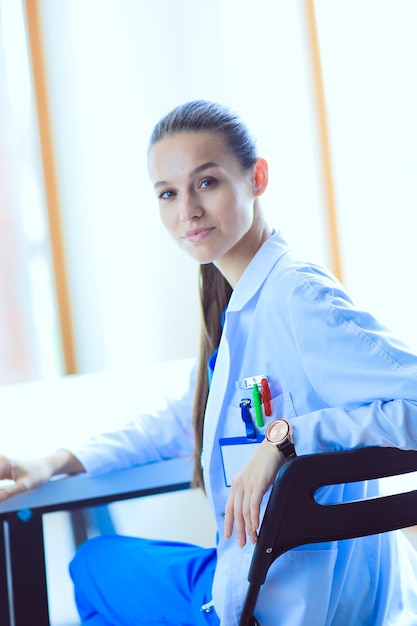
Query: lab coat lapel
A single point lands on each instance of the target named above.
(258, 271)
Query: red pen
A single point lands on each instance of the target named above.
(266, 397)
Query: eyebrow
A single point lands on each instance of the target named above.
(197, 170)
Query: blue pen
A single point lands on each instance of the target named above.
(245, 405)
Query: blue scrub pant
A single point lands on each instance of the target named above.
(126, 581)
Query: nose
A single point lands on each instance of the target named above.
(190, 208)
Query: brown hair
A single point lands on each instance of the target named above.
(215, 291)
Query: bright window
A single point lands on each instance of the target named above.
(29, 340)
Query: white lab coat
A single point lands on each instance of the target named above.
(343, 381)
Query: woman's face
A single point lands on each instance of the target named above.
(206, 201)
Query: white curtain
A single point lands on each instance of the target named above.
(29, 343)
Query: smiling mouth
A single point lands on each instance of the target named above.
(197, 234)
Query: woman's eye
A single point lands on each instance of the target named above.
(207, 182)
(166, 195)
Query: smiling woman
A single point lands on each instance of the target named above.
(286, 326)
(207, 203)
(133, 296)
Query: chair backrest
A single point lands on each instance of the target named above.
(292, 502)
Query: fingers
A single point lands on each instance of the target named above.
(234, 515)
(242, 512)
(251, 513)
(26, 476)
(6, 468)
(253, 516)
(16, 489)
(229, 516)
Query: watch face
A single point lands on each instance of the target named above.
(278, 431)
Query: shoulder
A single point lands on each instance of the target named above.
(300, 281)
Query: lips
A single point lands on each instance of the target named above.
(197, 234)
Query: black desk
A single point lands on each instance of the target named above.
(23, 591)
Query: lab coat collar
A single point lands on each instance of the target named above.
(258, 270)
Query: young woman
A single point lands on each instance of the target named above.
(329, 377)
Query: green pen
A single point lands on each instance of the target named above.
(257, 405)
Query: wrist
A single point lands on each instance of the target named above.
(63, 462)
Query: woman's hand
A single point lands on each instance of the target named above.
(26, 476)
(31, 474)
(247, 491)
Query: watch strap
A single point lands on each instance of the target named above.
(287, 449)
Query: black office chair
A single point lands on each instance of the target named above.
(292, 502)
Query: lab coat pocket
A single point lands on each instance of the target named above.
(282, 406)
(232, 424)
(236, 446)
(298, 588)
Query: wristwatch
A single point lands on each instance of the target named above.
(279, 434)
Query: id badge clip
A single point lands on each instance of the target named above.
(245, 406)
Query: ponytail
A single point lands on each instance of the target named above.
(215, 293)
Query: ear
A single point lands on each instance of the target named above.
(260, 176)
